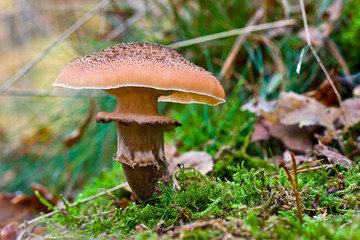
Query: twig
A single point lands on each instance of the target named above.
(60, 38)
(314, 52)
(337, 55)
(338, 96)
(121, 28)
(276, 54)
(77, 203)
(229, 62)
(234, 32)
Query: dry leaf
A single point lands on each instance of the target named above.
(325, 93)
(261, 131)
(351, 116)
(295, 109)
(292, 108)
(259, 105)
(292, 136)
(201, 161)
(19, 207)
(9, 232)
(11, 212)
(333, 156)
(299, 158)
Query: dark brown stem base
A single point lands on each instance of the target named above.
(141, 153)
(144, 180)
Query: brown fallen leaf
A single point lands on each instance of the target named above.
(9, 232)
(300, 159)
(333, 156)
(19, 207)
(292, 108)
(292, 136)
(261, 131)
(201, 161)
(11, 212)
(351, 107)
(325, 93)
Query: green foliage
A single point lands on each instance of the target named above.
(349, 34)
(211, 127)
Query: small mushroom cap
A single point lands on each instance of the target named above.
(143, 64)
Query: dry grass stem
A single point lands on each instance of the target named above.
(129, 22)
(123, 185)
(276, 55)
(226, 70)
(338, 96)
(337, 55)
(234, 32)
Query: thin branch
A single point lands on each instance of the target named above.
(121, 28)
(234, 32)
(314, 52)
(77, 203)
(229, 62)
(60, 38)
(338, 96)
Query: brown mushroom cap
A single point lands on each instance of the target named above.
(143, 64)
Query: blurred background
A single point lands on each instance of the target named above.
(49, 136)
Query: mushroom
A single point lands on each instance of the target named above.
(139, 75)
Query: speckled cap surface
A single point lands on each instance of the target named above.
(143, 64)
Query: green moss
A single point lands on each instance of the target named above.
(265, 202)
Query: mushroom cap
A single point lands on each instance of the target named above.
(142, 64)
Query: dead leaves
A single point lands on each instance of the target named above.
(19, 207)
(292, 136)
(303, 111)
(333, 156)
(9, 232)
(201, 161)
(300, 120)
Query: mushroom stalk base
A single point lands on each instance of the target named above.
(141, 152)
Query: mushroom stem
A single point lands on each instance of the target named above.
(140, 130)
(141, 152)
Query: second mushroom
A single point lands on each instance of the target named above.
(139, 75)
